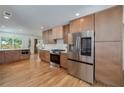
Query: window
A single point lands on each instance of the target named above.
(17, 43)
(6, 43)
(9, 43)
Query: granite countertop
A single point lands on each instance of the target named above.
(14, 49)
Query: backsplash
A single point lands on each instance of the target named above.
(56, 46)
(59, 45)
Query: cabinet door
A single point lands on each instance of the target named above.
(63, 60)
(2, 57)
(45, 37)
(53, 33)
(82, 24)
(57, 32)
(108, 24)
(75, 26)
(87, 23)
(42, 55)
(47, 56)
(70, 39)
(50, 39)
(66, 30)
(108, 64)
(12, 56)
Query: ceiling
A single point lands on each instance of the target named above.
(30, 18)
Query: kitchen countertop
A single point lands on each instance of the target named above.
(51, 49)
(13, 49)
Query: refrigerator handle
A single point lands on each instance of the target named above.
(78, 46)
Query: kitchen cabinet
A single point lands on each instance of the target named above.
(108, 46)
(108, 24)
(1, 57)
(85, 23)
(63, 60)
(75, 26)
(108, 65)
(47, 37)
(7, 56)
(44, 55)
(57, 32)
(66, 30)
(50, 39)
(12, 56)
(70, 39)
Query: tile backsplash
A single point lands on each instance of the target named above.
(59, 45)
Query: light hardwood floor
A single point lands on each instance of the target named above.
(33, 73)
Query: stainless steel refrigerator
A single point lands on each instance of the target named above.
(81, 56)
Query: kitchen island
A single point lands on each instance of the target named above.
(13, 55)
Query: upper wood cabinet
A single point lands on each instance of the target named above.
(82, 24)
(57, 32)
(2, 57)
(50, 39)
(87, 23)
(75, 26)
(108, 24)
(66, 30)
(47, 37)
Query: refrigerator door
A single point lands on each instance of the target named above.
(86, 47)
(75, 40)
(74, 52)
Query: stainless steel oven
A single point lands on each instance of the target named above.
(55, 58)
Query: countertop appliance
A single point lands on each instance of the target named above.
(81, 56)
(55, 57)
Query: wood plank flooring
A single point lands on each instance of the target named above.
(33, 73)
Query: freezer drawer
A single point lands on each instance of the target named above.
(72, 68)
(81, 70)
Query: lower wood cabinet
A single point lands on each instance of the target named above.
(12, 56)
(1, 57)
(8, 56)
(108, 63)
(44, 55)
(63, 60)
(66, 29)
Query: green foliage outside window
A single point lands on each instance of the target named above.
(6, 43)
(17, 43)
(9, 43)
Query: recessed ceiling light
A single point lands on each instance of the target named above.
(7, 14)
(77, 14)
(6, 17)
(42, 27)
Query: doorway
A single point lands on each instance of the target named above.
(35, 46)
